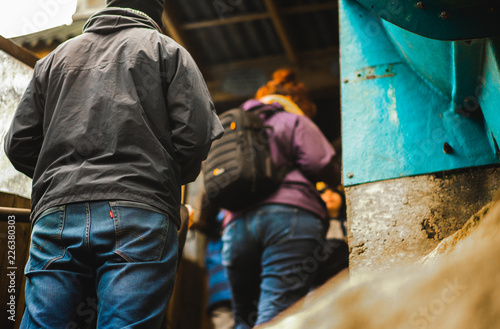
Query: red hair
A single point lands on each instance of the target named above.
(284, 82)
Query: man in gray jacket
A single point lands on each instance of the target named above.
(112, 124)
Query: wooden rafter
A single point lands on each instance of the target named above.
(172, 27)
(225, 21)
(326, 54)
(20, 53)
(319, 82)
(262, 15)
(281, 30)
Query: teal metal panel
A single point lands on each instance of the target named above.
(453, 67)
(441, 19)
(399, 101)
(488, 95)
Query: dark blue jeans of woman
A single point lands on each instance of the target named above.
(109, 262)
(271, 255)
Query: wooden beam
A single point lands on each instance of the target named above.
(225, 21)
(257, 16)
(171, 26)
(281, 30)
(20, 53)
(307, 57)
(314, 72)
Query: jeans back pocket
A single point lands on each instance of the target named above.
(140, 231)
(46, 239)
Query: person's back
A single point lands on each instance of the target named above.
(111, 125)
(271, 248)
(107, 131)
(298, 144)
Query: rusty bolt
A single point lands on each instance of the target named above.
(444, 15)
(420, 5)
(346, 80)
(447, 148)
(350, 175)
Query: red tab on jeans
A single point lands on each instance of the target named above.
(111, 213)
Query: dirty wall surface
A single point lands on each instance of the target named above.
(14, 77)
(396, 222)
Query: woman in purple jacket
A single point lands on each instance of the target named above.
(272, 250)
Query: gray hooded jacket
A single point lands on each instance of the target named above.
(118, 113)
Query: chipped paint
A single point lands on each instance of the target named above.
(391, 106)
(373, 72)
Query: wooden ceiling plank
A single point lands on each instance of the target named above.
(225, 21)
(301, 9)
(320, 82)
(330, 53)
(281, 30)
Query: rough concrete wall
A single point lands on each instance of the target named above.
(14, 77)
(395, 222)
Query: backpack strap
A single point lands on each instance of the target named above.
(267, 109)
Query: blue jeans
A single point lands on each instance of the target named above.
(271, 255)
(111, 263)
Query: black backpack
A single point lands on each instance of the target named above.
(239, 169)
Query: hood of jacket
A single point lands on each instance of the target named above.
(113, 19)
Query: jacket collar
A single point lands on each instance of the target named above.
(112, 19)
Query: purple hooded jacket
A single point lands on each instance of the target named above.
(298, 143)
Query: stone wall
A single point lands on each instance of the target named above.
(14, 77)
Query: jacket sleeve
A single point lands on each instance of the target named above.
(193, 121)
(23, 140)
(314, 154)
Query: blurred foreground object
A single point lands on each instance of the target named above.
(455, 289)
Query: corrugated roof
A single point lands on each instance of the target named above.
(250, 38)
(224, 30)
(219, 31)
(57, 34)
